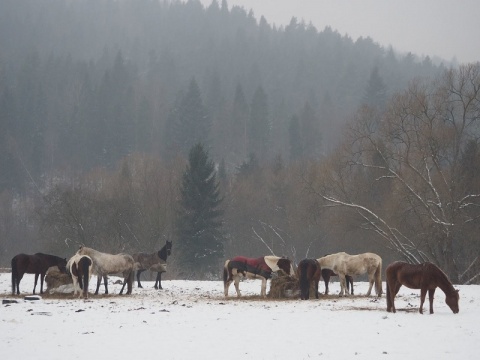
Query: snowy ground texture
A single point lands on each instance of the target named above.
(192, 320)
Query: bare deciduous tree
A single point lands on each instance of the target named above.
(402, 172)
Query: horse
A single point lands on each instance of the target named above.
(80, 268)
(426, 276)
(344, 264)
(156, 261)
(259, 268)
(308, 272)
(37, 264)
(105, 264)
(327, 273)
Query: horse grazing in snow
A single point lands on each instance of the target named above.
(80, 268)
(426, 276)
(37, 264)
(259, 268)
(156, 261)
(344, 264)
(105, 264)
(308, 272)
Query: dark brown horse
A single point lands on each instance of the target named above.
(156, 261)
(308, 272)
(327, 273)
(37, 264)
(426, 276)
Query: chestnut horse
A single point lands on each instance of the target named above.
(80, 268)
(426, 276)
(105, 264)
(327, 273)
(37, 264)
(344, 264)
(308, 272)
(259, 268)
(156, 261)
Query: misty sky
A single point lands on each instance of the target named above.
(444, 28)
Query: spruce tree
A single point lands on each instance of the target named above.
(200, 242)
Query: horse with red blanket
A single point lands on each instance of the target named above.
(254, 268)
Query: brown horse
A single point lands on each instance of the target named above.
(308, 272)
(37, 264)
(259, 268)
(426, 276)
(327, 273)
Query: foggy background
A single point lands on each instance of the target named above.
(439, 28)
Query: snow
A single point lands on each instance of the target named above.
(192, 319)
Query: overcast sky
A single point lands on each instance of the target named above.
(444, 28)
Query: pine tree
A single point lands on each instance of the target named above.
(200, 242)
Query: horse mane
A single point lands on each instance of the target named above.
(443, 276)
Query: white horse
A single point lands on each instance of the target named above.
(80, 268)
(106, 264)
(344, 264)
(259, 268)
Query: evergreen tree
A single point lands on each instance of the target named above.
(376, 91)
(200, 242)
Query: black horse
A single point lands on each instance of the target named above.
(156, 261)
(37, 264)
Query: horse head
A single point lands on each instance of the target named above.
(62, 265)
(452, 301)
(285, 265)
(169, 247)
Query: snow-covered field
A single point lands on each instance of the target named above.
(192, 320)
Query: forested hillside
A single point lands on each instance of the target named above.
(101, 101)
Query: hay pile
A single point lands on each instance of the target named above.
(57, 281)
(282, 287)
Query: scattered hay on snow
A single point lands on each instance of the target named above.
(285, 286)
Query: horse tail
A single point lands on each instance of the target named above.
(14, 273)
(378, 279)
(304, 283)
(86, 264)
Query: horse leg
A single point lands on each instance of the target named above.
(371, 280)
(236, 282)
(105, 282)
(431, 292)
(138, 278)
(159, 279)
(326, 279)
(41, 282)
(36, 279)
(423, 293)
(264, 287)
(226, 285)
(99, 280)
(342, 285)
(316, 288)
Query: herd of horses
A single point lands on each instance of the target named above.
(426, 276)
(87, 262)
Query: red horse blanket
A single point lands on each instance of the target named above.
(256, 266)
